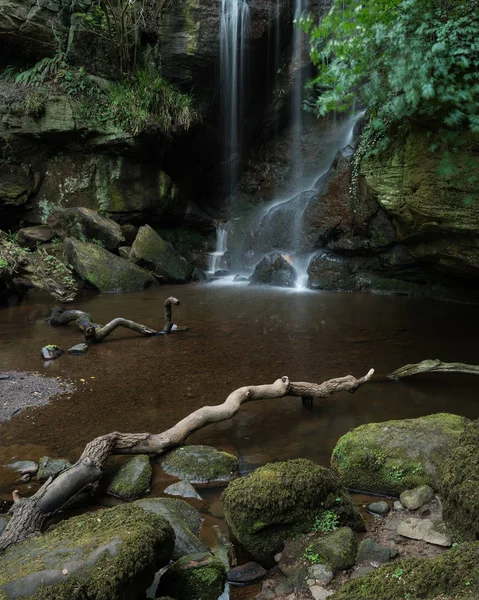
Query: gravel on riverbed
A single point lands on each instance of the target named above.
(20, 390)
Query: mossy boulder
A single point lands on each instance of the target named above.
(200, 464)
(133, 479)
(199, 576)
(106, 554)
(86, 224)
(104, 270)
(460, 485)
(276, 269)
(393, 456)
(152, 252)
(185, 520)
(453, 574)
(337, 549)
(51, 467)
(282, 499)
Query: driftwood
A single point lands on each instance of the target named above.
(30, 514)
(94, 332)
(433, 366)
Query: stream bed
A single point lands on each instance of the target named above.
(238, 335)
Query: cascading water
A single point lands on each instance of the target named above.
(217, 259)
(298, 89)
(233, 36)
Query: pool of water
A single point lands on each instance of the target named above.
(238, 335)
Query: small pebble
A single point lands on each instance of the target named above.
(378, 508)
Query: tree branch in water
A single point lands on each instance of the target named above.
(433, 366)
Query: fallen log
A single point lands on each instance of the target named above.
(433, 366)
(95, 333)
(29, 514)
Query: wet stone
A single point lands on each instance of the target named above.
(379, 508)
(414, 499)
(51, 352)
(200, 464)
(133, 479)
(51, 467)
(397, 506)
(321, 573)
(246, 574)
(78, 349)
(24, 466)
(370, 552)
(182, 488)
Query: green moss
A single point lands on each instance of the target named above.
(460, 485)
(336, 549)
(200, 464)
(454, 574)
(138, 544)
(198, 576)
(133, 479)
(280, 500)
(396, 455)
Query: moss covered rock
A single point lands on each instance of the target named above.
(105, 271)
(133, 479)
(454, 574)
(185, 520)
(460, 485)
(151, 251)
(391, 457)
(336, 549)
(281, 499)
(103, 555)
(200, 464)
(51, 467)
(198, 576)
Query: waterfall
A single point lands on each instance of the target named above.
(216, 259)
(297, 113)
(233, 33)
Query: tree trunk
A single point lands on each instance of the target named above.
(30, 514)
(433, 366)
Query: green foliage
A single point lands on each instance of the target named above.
(311, 555)
(43, 71)
(326, 521)
(401, 59)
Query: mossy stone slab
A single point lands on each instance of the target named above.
(200, 464)
(133, 479)
(196, 576)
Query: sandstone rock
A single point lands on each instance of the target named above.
(86, 224)
(200, 464)
(29, 236)
(111, 553)
(426, 530)
(103, 270)
(414, 499)
(151, 251)
(133, 479)
(394, 456)
(282, 499)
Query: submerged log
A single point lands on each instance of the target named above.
(433, 366)
(94, 332)
(30, 514)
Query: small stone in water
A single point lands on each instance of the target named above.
(78, 349)
(246, 574)
(398, 505)
(379, 508)
(51, 352)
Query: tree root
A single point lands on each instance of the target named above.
(433, 366)
(30, 514)
(94, 332)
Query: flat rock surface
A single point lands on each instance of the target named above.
(426, 530)
(22, 390)
(182, 488)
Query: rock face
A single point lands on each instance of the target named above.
(454, 573)
(133, 479)
(394, 456)
(279, 500)
(460, 485)
(185, 520)
(151, 251)
(275, 269)
(86, 223)
(200, 464)
(113, 553)
(199, 576)
(105, 271)
(434, 212)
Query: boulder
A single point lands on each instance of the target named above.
(152, 252)
(133, 479)
(460, 485)
(322, 574)
(105, 271)
(379, 508)
(185, 520)
(86, 224)
(112, 553)
(51, 352)
(452, 574)
(17, 183)
(425, 530)
(129, 232)
(337, 549)
(29, 237)
(200, 576)
(275, 268)
(393, 456)
(327, 271)
(414, 499)
(182, 488)
(282, 499)
(370, 552)
(200, 464)
(246, 574)
(51, 467)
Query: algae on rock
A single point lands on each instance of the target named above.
(393, 456)
(199, 576)
(200, 464)
(133, 479)
(281, 499)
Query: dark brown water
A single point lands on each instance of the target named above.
(238, 335)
